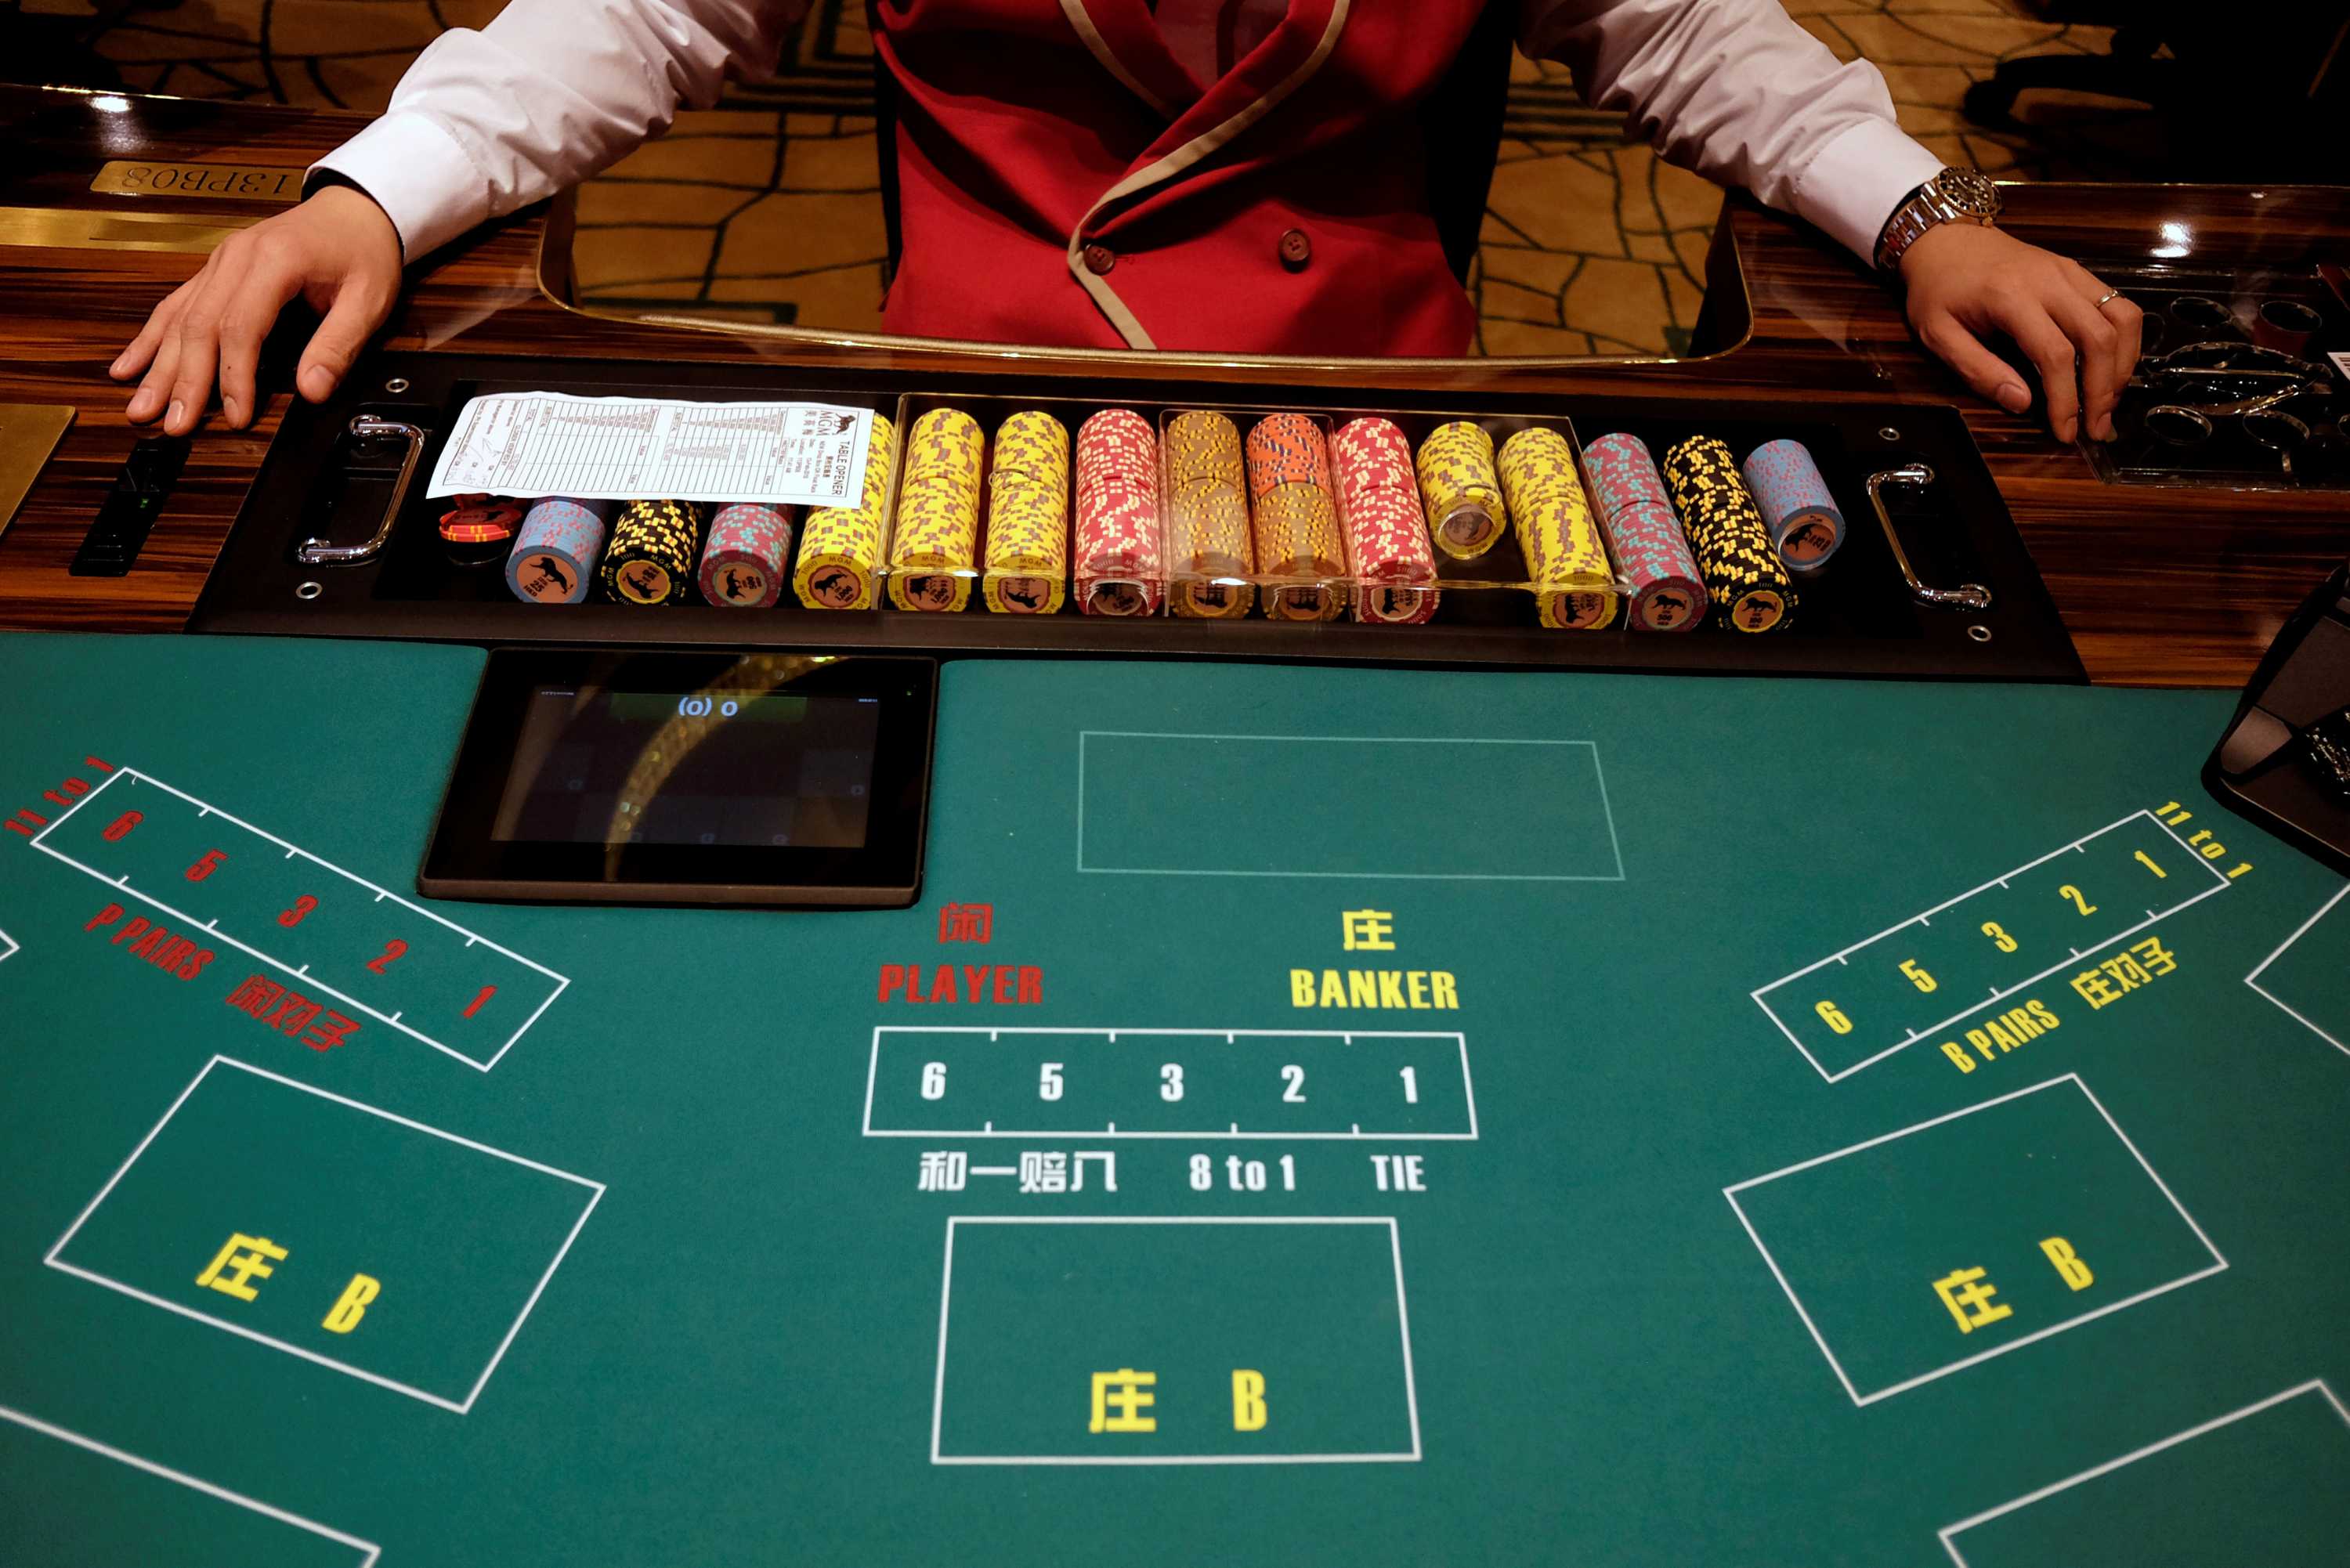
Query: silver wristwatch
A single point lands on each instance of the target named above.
(1952, 196)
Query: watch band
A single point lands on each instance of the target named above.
(1953, 195)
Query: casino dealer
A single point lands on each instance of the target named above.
(1164, 176)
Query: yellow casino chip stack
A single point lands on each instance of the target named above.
(1457, 483)
(840, 546)
(650, 558)
(1567, 561)
(1743, 575)
(935, 539)
(1028, 516)
(1208, 548)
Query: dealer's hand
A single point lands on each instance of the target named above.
(337, 250)
(1965, 280)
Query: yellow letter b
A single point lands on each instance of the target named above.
(1248, 1402)
(353, 1303)
(2069, 1266)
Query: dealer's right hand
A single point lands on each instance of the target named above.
(337, 250)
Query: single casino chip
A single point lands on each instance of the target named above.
(1666, 589)
(1805, 523)
(1567, 560)
(840, 546)
(1744, 579)
(480, 519)
(747, 556)
(1210, 557)
(1382, 513)
(934, 538)
(557, 549)
(649, 559)
(1463, 497)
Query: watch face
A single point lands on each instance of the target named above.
(1970, 191)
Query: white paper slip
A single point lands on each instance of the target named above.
(655, 449)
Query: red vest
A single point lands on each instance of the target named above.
(1064, 179)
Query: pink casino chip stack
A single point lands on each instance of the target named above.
(1386, 526)
(1667, 590)
(1116, 563)
(748, 556)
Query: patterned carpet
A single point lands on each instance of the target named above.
(767, 207)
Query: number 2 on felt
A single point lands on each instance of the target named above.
(392, 950)
(2069, 891)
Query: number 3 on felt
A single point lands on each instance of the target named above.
(392, 950)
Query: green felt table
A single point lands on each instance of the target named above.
(1391, 1117)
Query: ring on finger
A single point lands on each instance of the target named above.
(2105, 299)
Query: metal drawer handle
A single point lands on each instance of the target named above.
(1966, 596)
(365, 427)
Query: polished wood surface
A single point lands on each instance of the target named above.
(2158, 586)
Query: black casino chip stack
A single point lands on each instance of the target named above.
(1744, 577)
(650, 558)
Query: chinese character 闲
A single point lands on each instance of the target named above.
(966, 922)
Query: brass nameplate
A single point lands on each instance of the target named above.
(28, 433)
(76, 228)
(236, 182)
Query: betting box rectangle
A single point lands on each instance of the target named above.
(2269, 1483)
(330, 934)
(341, 1233)
(1167, 1341)
(2302, 977)
(1265, 805)
(67, 1497)
(1928, 1250)
(1986, 946)
(973, 1081)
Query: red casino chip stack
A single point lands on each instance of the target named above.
(1667, 589)
(1387, 530)
(1117, 563)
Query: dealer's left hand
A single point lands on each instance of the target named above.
(1965, 281)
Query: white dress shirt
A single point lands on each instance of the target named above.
(552, 90)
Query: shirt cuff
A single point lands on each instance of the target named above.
(1853, 183)
(416, 171)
